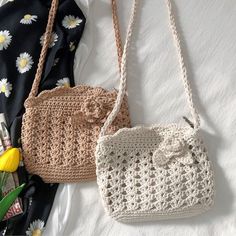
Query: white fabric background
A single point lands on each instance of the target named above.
(156, 95)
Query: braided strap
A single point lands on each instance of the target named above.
(117, 32)
(123, 73)
(187, 88)
(47, 38)
(122, 87)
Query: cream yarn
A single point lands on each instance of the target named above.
(161, 172)
(157, 172)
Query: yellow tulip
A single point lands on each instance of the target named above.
(9, 160)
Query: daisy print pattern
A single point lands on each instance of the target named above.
(28, 19)
(24, 62)
(36, 228)
(70, 22)
(5, 87)
(65, 82)
(5, 39)
(53, 40)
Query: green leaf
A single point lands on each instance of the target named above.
(8, 200)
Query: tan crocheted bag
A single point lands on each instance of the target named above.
(61, 126)
(157, 172)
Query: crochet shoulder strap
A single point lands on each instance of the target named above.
(117, 32)
(47, 37)
(122, 86)
(123, 74)
(46, 42)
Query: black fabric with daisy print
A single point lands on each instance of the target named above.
(22, 27)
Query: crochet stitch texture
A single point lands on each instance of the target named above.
(60, 127)
(157, 172)
(135, 183)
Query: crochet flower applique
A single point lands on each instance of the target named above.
(92, 111)
(173, 148)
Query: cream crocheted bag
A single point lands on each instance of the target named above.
(61, 126)
(157, 172)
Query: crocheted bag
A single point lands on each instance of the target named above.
(61, 126)
(157, 172)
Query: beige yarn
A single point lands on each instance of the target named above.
(157, 172)
(61, 126)
(117, 32)
(60, 130)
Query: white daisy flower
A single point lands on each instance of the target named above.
(70, 22)
(36, 228)
(5, 87)
(24, 62)
(53, 40)
(63, 82)
(28, 19)
(5, 39)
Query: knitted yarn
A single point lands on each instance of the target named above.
(60, 127)
(154, 173)
(158, 172)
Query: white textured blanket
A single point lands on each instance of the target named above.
(156, 94)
